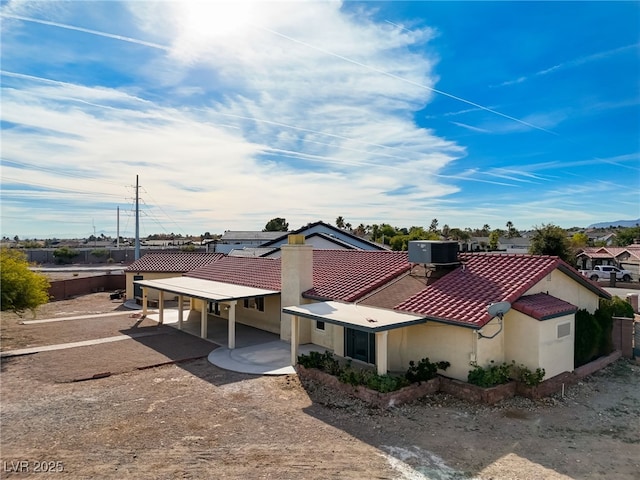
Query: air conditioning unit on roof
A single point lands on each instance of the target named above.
(433, 252)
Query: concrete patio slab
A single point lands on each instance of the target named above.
(272, 358)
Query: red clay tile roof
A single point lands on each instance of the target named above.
(543, 306)
(248, 271)
(347, 275)
(173, 261)
(463, 295)
(344, 275)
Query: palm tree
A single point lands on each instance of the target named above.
(340, 222)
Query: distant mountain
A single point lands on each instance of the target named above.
(617, 223)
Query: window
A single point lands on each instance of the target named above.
(564, 330)
(320, 325)
(214, 307)
(255, 302)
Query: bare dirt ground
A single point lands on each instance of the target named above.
(190, 419)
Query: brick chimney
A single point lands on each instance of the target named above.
(297, 277)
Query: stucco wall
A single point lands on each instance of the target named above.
(152, 294)
(522, 336)
(488, 349)
(556, 354)
(268, 320)
(437, 341)
(535, 343)
(561, 286)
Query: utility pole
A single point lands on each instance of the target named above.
(137, 248)
(118, 229)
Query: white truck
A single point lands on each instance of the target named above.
(603, 272)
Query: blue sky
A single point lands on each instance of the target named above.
(381, 112)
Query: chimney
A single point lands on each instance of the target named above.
(296, 264)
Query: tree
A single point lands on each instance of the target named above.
(276, 225)
(494, 238)
(22, 289)
(434, 225)
(551, 240)
(360, 230)
(64, 254)
(579, 241)
(627, 236)
(340, 222)
(511, 230)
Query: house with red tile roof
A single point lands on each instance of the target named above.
(627, 257)
(380, 308)
(538, 331)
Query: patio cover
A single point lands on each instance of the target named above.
(358, 317)
(204, 289)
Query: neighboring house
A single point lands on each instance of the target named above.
(153, 266)
(321, 235)
(624, 257)
(237, 240)
(514, 244)
(505, 244)
(379, 308)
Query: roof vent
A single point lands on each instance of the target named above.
(433, 252)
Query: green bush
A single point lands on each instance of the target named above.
(22, 289)
(100, 252)
(525, 375)
(494, 374)
(65, 254)
(325, 362)
(424, 370)
(588, 339)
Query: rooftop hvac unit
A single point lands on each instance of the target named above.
(433, 252)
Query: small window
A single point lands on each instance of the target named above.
(255, 303)
(259, 302)
(214, 307)
(320, 325)
(564, 330)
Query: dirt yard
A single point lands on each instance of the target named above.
(160, 415)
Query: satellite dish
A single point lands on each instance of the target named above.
(498, 309)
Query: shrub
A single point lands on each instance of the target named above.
(424, 370)
(22, 289)
(588, 338)
(531, 379)
(100, 252)
(64, 254)
(494, 374)
(368, 378)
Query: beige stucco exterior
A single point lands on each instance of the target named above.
(437, 341)
(151, 293)
(537, 344)
(561, 286)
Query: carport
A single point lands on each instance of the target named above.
(209, 291)
(358, 317)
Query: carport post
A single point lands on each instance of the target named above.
(381, 352)
(144, 301)
(232, 325)
(203, 321)
(180, 311)
(161, 305)
(295, 338)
